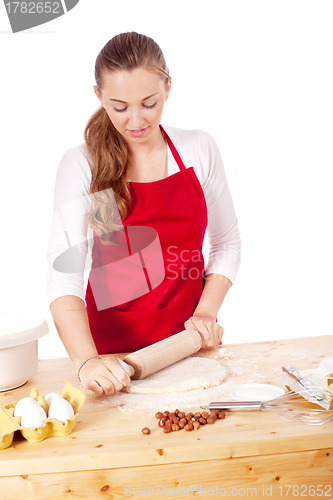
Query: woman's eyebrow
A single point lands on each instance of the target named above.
(124, 102)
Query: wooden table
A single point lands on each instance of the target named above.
(249, 454)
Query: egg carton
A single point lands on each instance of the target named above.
(51, 427)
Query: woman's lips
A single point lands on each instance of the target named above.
(138, 133)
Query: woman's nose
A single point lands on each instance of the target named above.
(135, 120)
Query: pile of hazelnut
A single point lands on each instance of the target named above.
(177, 420)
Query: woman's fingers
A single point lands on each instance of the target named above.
(104, 375)
(107, 384)
(92, 385)
(120, 375)
(211, 332)
(125, 366)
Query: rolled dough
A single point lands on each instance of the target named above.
(189, 374)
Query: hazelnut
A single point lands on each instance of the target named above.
(182, 422)
(173, 421)
(145, 430)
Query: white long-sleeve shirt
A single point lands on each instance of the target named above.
(72, 206)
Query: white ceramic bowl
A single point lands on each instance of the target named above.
(255, 392)
(19, 334)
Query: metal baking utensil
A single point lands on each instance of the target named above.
(303, 381)
(291, 405)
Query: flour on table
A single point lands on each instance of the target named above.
(189, 374)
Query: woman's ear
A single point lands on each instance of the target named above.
(96, 90)
(167, 90)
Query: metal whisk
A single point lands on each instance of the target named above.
(301, 406)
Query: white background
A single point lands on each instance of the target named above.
(257, 75)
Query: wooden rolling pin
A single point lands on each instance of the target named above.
(164, 353)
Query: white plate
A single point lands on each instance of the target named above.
(255, 392)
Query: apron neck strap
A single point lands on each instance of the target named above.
(173, 150)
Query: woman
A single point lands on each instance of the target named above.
(167, 187)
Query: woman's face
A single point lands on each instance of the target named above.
(134, 102)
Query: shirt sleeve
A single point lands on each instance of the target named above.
(68, 243)
(222, 231)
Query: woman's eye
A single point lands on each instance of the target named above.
(151, 106)
(144, 105)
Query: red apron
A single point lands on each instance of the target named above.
(175, 209)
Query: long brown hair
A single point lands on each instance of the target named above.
(107, 149)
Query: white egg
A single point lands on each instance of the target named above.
(61, 410)
(52, 396)
(33, 416)
(22, 405)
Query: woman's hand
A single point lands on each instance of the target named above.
(106, 375)
(211, 332)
